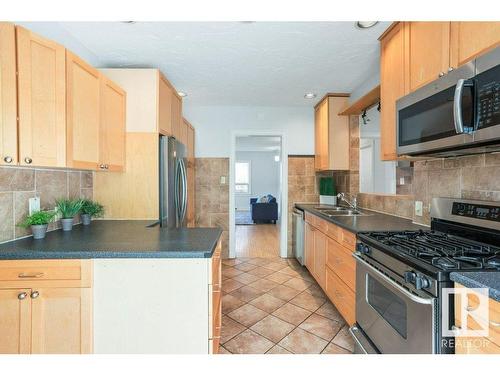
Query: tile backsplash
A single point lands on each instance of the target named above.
(17, 185)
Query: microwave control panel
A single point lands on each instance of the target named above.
(488, 92)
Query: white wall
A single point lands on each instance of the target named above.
(214, 124)
(264, 179)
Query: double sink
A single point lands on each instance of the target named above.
(339, 211)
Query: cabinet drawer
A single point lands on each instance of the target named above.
(310, 218)
(348, 239)
(340, 261)
(341, 296)
(18, 273)
(322, 225)
(334, 232)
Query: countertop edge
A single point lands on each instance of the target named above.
(473, 280)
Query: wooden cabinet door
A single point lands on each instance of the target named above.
(164, 106)
(309, 247)
(41, 100)
(183, 134)
(320, 244)
(83, 116)
(62, 321)
(392, 87)
(15, 321)
(190, 142)
(176, 116)
(112, 134)
(428, 46)
(471, 39)
(8, 95)
(321, 136)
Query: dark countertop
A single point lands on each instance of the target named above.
(490, 280)
(374, 222)
(116, 239)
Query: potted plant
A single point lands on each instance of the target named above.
(68, 209)
(38, 221)
(89, 210)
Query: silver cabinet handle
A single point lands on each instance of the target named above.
(8, 159)
(101, 166)
(22, 295)
(441, 74)
(494, 324)
(28, 160)
(35, 294)
(450, 69)
(31, 275)
(106, 166)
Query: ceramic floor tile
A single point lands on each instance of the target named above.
(223, 350)
(335, 349)
(230, 303)
(303, 342)
(283, 292)
(246, 293)
(321, 326)
(246, 278)
(279, 277)
(272, 328)
(292, 314)
(231, 272)
(274, 266)
(261, 272)
(229, 329)
(344, 339)
(230, 285)
(298, 284)
(316, 291)
(329, 311)
(247, 315)
(245, 267)
(263, 285)
(267, 303)
(258, 261)
(231, 262)
(289, 271)
(249, 342)
(276, 349)
(308, 301)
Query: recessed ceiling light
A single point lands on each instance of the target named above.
(310, 95)
(365, 24)
(128, 22)
(182, 94)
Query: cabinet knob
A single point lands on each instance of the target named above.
(441, 74)
(35, 294)
(450, 69)
(101, 166)
(8, 159)
(22, 295)
(28, 160)
(106, 166)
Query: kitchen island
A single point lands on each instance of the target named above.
(112, 287)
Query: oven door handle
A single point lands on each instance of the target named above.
(413, 297)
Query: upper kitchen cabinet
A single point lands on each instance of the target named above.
(83, 115)
(164, 105)
(392, 87)
(428, 51)
(331, 133)
(176, 114)
(471, 39)
(8, 95)
(41, 100)
(112, 126)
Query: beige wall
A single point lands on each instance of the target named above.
(17, 185)
(212, 198)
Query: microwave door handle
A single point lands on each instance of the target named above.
(457, 107)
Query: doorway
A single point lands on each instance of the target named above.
(257, 196)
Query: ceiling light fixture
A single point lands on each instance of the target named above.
(310, 95)
(365, 24)
(182, 94)
(130, 22)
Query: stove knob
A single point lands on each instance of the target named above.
(409, 276)
(421, 282)
(362, 248)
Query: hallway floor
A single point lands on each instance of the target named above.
(259, 240)
(274, 306)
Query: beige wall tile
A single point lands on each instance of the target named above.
(7, 216)
(16, 179)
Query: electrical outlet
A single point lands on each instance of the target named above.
(33, 205)
(222, 180)
(419, 208)
(401, 180)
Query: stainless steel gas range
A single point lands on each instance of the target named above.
(400, 276)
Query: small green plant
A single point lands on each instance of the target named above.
(92, 208)
(69, 208)
(38, 218)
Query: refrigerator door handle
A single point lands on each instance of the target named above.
(184, 190)
(177, 191)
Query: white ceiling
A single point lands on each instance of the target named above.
(235, 63)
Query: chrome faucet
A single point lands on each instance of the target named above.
(353, 203)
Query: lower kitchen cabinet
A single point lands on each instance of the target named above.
(15, 321)
(328, 257)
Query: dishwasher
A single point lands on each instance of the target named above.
(298, 225)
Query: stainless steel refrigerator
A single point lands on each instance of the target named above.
(173, 183)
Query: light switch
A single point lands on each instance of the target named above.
(222, 180)
(33, 205)
(401, 180)
(419, 208)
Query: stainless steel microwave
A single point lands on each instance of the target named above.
(457, 114)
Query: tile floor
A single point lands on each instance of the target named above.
(274, 306)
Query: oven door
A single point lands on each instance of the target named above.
(438, 116)
(394, 319)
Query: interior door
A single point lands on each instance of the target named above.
(15, 321)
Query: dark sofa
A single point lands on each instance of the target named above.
(264, 212)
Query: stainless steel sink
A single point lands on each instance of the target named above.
(343, 212)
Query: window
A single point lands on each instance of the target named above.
(242, 177)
